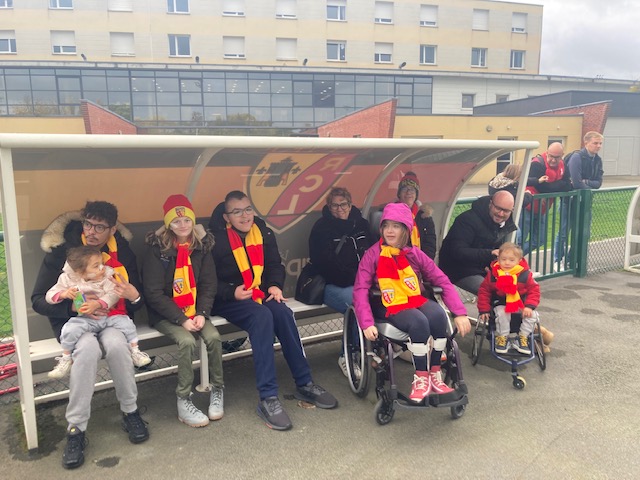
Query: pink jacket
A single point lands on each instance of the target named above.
(424, 267)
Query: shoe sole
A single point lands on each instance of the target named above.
(136, 440)
(203, 424)
(215, 418)
(71, 467)
(271, 425)
(304, 398)
(524, 352)
(506, 350)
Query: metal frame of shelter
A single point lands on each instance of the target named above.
(35, 170)
(632, 236)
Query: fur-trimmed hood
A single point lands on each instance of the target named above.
(153, 238)
(426, 209)
(58, 231)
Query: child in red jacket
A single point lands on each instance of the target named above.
(510, 283)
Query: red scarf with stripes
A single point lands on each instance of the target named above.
(249, 258)
(184, 282)
(415, 234)
(111, 259)
(507, 282)
(398, 282)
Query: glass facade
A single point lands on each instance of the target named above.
(165, 98)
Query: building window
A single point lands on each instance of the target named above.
(427, 54)
(179, 45)
(384, 12)
(468, 100)
(286, 48)
(233, 47)
(6, 3)
(233, 8)
(519, 22)
(383, 53)
(178, 6)
(8, 41)
(63, 42)
(428, 15)
(120, 5)
(60, 3)
(336, 51)
(480, 19)
(286, 9)
(122, 44)
(517, 59)
(337, 10)
(478, 57)
(501, 98)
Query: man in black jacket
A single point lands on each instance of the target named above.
(95, 225)
(250, 283)
(474, 238)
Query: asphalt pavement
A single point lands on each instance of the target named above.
(578, 419)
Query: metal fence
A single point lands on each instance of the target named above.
(604, 252)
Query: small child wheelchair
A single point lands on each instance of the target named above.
(512, 357)
(364, 357)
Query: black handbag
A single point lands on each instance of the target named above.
(310, 286)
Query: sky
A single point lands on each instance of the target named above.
(590, 38)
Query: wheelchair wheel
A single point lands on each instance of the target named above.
(539, 346)
(355, 354)
(384, 411)
(478, 338)
(519, 382)
(458, 411)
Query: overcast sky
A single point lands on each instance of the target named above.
(587, 38)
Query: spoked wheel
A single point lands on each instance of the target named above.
(539, 346)
(458, 411)
(384, 411)
(355, 354)
(478, 338)
(519, 382)
(451, 365)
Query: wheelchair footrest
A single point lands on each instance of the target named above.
(448, 400)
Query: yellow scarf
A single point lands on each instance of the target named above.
(507, 282)
(415, 234)
(398, 282)
(184, 282)
(251, 266)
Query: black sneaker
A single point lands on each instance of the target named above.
(315, 394)
(73, 455)
(133, 424)
(270, 410)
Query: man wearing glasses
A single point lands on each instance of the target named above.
(545, 176)
(96, 225)
(250, 283)
(474, 238)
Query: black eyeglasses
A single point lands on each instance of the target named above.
(506, 211)
(238, 212)
(97, 227)
(555, 157)
(341, 206)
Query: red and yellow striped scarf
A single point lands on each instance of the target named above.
(397, 281)
(415, 233)
(507, 282)
(184, 282)
(249, 258)
(111, 259)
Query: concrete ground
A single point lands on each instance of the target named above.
(578, 419)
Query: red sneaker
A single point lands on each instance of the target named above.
(438, 387)
(421, 387)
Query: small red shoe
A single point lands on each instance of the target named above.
(438, 387)
(421, 386)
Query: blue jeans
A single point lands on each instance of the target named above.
(338, 298)
(563, 232)
(261, 322)
(532, 235)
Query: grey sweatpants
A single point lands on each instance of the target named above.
(86, 355)
(503, 322)
(77, 326)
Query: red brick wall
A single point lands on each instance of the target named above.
(372, 122)
(99, 120)
(594, 115)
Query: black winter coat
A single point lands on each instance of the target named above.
(158, 269)
(229, 277)
(65, 232)
(339, 269)
(466, 250)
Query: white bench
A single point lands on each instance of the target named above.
(50, 348)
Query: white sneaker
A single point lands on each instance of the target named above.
(189, 414)
(216, 403)
(342, 363)
(140, 359)
(62, 368)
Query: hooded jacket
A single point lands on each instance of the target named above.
(422, 265)
(229, 276)
(158, 268)
(466, 250)
(327, 233)
(63, 233)
(489, 294)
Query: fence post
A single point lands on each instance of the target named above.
(583, 231)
